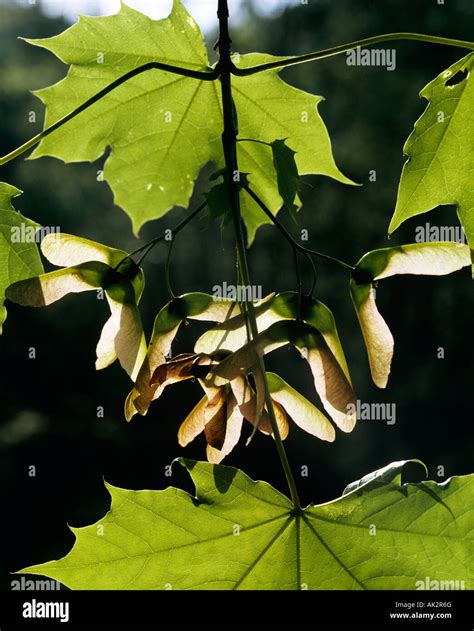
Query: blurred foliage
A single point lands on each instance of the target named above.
(49, 404)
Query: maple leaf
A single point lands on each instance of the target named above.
(154, 539)
(162, 128)
(19, 257)
(440, 165)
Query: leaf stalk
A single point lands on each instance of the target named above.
(294, 244)
(226, 64)
(154, 65)
(151, 244)
(337, 50)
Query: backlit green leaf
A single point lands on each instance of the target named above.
(241, 534)
(440, 166)
(19, 256)
(162, 128)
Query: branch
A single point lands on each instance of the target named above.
(151, 244)
(287, 235)
(167, 270)
(313, 266)
(300, 284)
(229, 145)
(337, 50)
(154, 65)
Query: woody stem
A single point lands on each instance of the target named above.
(229, 143)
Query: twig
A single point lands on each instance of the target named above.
(337, 50)
(288, 236)
(151, 244)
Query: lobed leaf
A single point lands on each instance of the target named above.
(18, 259)
(162, 128)
(244, 535)
(440, 165)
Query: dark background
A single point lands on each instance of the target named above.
(48, 405)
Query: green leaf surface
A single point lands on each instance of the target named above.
(162, 128)
(19, 259)
(240, 534)
(440, 166)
